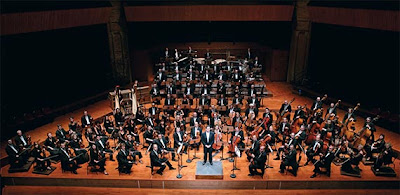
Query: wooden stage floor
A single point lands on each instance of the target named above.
(141, 177)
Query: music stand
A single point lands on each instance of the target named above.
(179, 176)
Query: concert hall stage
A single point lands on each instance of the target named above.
(142, 178)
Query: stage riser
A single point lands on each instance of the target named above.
(202, 184)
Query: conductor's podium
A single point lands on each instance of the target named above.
(208, 171)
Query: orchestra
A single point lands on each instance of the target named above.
(201, 100)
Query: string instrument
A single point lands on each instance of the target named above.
(332, 117)
(234, 143)
(347, 123)
(130, 156)
(284, 112)
(264, 141)
(365, 133)
(197, 138)
(28, 140)
(217, 141)
(313, 130)
(296, 124)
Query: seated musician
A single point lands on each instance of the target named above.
(149, 120)
(195, 132)
(252, 109)
(161, 127)
(237, 133)
(252, 91)
(204, 100)
(376, 147)
(271, 132)
(162, 143)
(170, 89)
(86, 119)
(208, 54)
(255, 146)
(97, 129)
(166, 53)
(324, 161)
(314, 149)
(257, 160)
(237, 100)
(221, 88)
(371, 126)
(148, 135)
(41, 162)
(16, 160)
(214, 118)
(186, 100)
(385, 157)
(108, 124)
(290, 142)
(121, 135)
(218, 138)
(237, 119)
(221, 76)
(72, 124)
(299, 113)
(176, 54)
(178, 139)
(119, 117)
(289, 159)
(179, 111)
(156, 161)
(206, 89)
(51, 144)
(212, 110)
(331, 110)
(286, 107)
(254, 100)
(179, 122)
(329, 127)
(132, 146)
(355, 157)
(177, 76)
(194, 119)
(161, 75)
(349, 114)
(103, 146)
(169, 101)
(97, 158)
(191, 75)
(236, 76)
(124, 165)
(78, 147)
(155, 92)
(67, 163)
(189, 89)
(22, 140)
(283, 129)
(207, 77)
(268, 114)
(300, 136)
(236, 90)
(317, 104)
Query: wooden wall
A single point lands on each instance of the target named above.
(363, 18)
(279, 65)
(210, 13)
(15, 23)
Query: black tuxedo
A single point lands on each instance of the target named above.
(84, 122)
(325, 162)
(172, 101)
(252, 91)
(164, 146)
(192, 74)
(254, 101)
(331, 110)
(177, 142)
(12, 155)
(222, 100)
(19, 142)
(299, 113)
(156, 161)
(204, 101)
(210, 141)
(123, 164)
(149, 122)
(316, 105)
(259, 162)
(290, 160)
(289, 108)
(66, 164)
(155, 92)
(193, 120)
(170, 90)
(153, 111)
(255, 110)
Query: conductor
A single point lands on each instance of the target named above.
(207, 138)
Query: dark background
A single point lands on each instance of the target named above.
(52, 68)
(356, 65)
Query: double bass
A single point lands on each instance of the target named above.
(349, 125)
(296, 124)
(365, 133)
(284, 113)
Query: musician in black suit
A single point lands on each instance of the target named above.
(153, 110)
(299, 113)
(124, 165)
(290, 160)
(196, 130)
(161, 75)
(97, 158)
(206, 90)
(349, 114)
(314, 149)
(156, 161)
(237, 100)
(268, 114)
(252, 91)
(325, 162)
(50, 144)
(238, 133)
(163, 146)
(149, 120)
(284, 128)
(15, 159)
(257, 160)
(102, 146)
(331, 110)
(371, 126)
(67, 163)
(194, 119)
(169, 101)
(255, 146)
(291, 141)
(317, 104)
(288, 108)
(41, 162)
(177, 76)
(221, 76)
(236, 76)
(254, 100)
(207, 139)
(207, 76)
(208, 55)
(253, 109)
(22, 140)
(178, 139)
(191, 75)
(86, 119)
(204, 100)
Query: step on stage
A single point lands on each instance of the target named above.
(209, 171)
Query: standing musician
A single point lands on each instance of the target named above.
(103, 147)
(124, 165)
(349, 115)
(194, 133)
(257, 161)
(86, 119)
(286, 107)
(67, 163)
(385, 157)
(178, 139)
(371, 126)
(317, 104)
(324, 161)
(73, 124)
(16, 159)
(331, 110)
(159, 162)
(207, 139)
(289, 159)
(163, 146)
(314, 149)
(299, 113)
(255, 146)
(376, 147)
(39, 154)
(97, 158)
